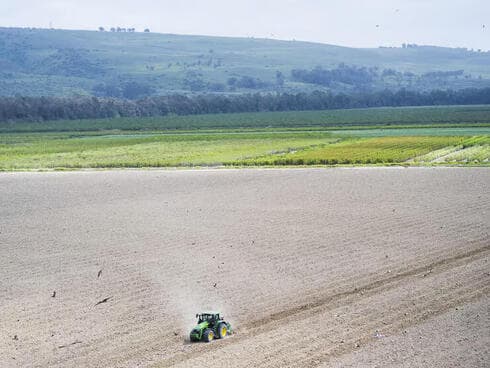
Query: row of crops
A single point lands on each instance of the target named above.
(386, 150)
(271, 148)
(477, 115)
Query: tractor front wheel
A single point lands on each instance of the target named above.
(222, 330)
(208, 335)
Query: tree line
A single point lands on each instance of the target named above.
(373, 78)
(86, 107)
(354, 75)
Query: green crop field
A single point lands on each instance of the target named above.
(382, 150)
(63, 151)
(403, 136)
(448, 116)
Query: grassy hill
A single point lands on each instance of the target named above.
(62, 62)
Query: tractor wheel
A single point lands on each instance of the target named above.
(222, 330)
(192, 338)
(208, 335)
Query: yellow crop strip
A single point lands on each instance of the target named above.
(380, 150)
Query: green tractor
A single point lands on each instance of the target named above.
(210, 326)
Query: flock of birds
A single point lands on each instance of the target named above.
(272, 35)
(105, 300)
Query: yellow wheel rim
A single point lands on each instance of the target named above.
(211, 335)
(223, 331)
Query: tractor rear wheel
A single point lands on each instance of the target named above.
(222, 330)
(208, 335)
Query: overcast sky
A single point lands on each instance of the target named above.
(359, 23)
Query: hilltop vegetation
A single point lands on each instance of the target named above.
(137, 64)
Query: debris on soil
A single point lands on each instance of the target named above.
(176, 334)
(357, 345)
(378, 335)
(215, 284)
(105, 300)
(427, 273)
(99, 274)
(73, 343)
(54, 294)
(16, 338)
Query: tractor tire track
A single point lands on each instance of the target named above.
(322, 304)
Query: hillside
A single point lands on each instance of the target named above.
(37, 62)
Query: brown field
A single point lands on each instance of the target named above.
(380, 267)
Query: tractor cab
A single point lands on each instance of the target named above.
(209, 317)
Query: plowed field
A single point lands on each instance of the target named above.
(313, 267)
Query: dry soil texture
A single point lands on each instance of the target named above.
(314, 267)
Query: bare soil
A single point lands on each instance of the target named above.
(382, 267)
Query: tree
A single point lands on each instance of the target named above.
(147, 30)
(279, 78)
(134, 90)
(101, 29)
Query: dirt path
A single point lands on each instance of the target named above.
(337, 267)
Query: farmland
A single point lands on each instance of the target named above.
(342, 267)
(64, 151)
(387, 136)
(447, 116)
